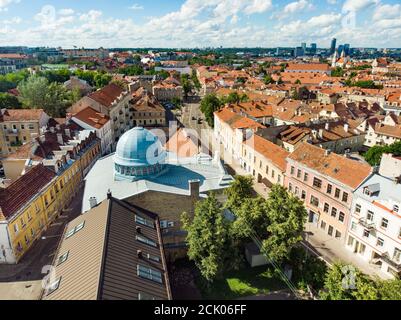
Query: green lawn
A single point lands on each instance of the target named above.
(244, 282)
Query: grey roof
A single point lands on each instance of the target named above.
(180, 171)
(386, 189)
(103, 256)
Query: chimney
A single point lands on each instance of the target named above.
(327, 152)
(321, 133)
(327, 126)
(60, 138)
(92, 202)
(194, 186)
(346, 127)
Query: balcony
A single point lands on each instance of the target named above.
(366, 224)
(386, 258)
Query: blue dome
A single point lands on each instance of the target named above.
(139, 153)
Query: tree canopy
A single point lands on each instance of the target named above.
(209, 104)
(374, 154)
(209, 238)
(8, 101)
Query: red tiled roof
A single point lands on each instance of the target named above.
(269, 150)
(92, 117)
(25, 188)
(107, 95)
(21, 115)
(349, 172)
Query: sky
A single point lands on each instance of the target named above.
(199, 23)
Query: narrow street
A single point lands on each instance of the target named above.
(42, 251)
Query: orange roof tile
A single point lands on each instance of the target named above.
(348, 172)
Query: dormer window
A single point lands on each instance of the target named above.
(396, 208)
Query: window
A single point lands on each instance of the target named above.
(397, 255)
(153, 258)
(341, 217)
(323, 225)
(149, 273)
(380, 242)
(314, 201)
(333, 212)
(345, 197)
(74, 230)
(299, 173)
(63, 258)
(53, 286)
(370, 215)
(166, 224)
(337, 193)
(338, 234)
(396, 208)
(16, 228)
(292, 170)
(290, 187)
(145, 296)
(147, 241)
(143, 221)
(350, 241)
(326, 207)
(330, 231)
(305, 177)
(384, 223)
(296, 190)
(303, 195)
(353, 226)
(329, 188)
(358, 208)
(317, 183)
(366, 233)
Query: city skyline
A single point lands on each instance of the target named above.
(194, 23)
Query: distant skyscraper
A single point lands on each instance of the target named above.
(298, 51)
(333, 45)
(340, 49)
(313, 48)
(347, 49)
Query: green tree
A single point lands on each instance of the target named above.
(374, 154)
(33, 92)
(186, 84)
(240, 189)
(209, 104)
(337, 72)
(250, 218)
(389, 289)
(134, 70)
(268, 79)
(208, 238)
(286, 217)
(37, 93)
(344, 282)
(307, 269)
(298, 81)
(8, 101)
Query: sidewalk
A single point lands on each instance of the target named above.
(332, 250)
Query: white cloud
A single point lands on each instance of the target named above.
(13, 21)
(258, 6)
(387, 12)
(357, 5)
(92, 15)
(297, 6)
(136, 6)
(331, 1)
(5, 3)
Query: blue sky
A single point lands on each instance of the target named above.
(199, 23)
